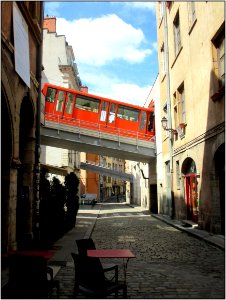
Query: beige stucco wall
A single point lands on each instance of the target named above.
(193, 66)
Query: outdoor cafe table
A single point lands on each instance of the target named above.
(26, 273)
(125, 254)
(46, 254)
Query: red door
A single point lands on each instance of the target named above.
(191, 197)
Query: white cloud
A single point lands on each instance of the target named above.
(130, 93)
(114, 88)
(142, 5)
(102, 40)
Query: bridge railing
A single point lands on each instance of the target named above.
(102, 129)
(98, 164)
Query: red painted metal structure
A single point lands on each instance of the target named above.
(75, 108)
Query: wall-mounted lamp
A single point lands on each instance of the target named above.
(164, 122)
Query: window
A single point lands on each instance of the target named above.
(60, 101)
(191, 14)
(87, 103)
(112, 113)
(161, 3)
(151, 122)
(177, 37)
(143, 120)
(103, 113)
(166, 133)
(178, 174)
(69, 103)
(163, 63)
(179, 110)
(50, 96)
(218, 76)
(167, 174)
(128, 113)
(70, 153)
(220, 59)
(182, 101)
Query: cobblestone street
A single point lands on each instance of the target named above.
(169, 263)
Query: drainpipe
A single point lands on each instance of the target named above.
(38, 125)
(166, 50)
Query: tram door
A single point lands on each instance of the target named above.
(143, 122)
(59, 103)
(111, 116)
(191, 197)
(103, 114)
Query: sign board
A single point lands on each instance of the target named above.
(21, 45)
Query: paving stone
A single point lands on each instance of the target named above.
(169, 263)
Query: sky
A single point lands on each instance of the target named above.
(114, 43)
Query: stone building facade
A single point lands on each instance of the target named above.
(191, 74)
(59, 69)
(21, 49)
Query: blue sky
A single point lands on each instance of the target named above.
(115, 45)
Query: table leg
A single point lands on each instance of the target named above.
(125, 263)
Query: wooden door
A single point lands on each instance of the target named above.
(191, 197)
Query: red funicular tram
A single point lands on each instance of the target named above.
(75, 108)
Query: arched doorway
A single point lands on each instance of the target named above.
(6, 155)
(219, 159)
(25, 174)
(190, 188)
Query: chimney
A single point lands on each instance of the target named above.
(84, 89)
(50, 24)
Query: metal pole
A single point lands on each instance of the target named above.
(166, 50)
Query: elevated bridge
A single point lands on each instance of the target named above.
(98, 168)
(81, 139)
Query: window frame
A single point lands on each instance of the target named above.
(191, 15)
(60, 101)
(179, 110)
(163, 61)
(128, 113)
(218, 84)
(49, 94)
(178, 175)
(177, 35)
(82, 106)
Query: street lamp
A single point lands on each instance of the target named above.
(164, 122)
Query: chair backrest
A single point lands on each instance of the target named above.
(89, 272)
(85, 244)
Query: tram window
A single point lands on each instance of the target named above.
(69, 107)
(103, 113)
(60, 99)
(86, 103)
(143, 120)
(112, 113)
(50, 96)
(151, 122)
(128, 113)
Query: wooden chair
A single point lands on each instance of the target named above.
(84, 244)
(90, 279)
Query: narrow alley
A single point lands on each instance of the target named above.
(169, 263)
